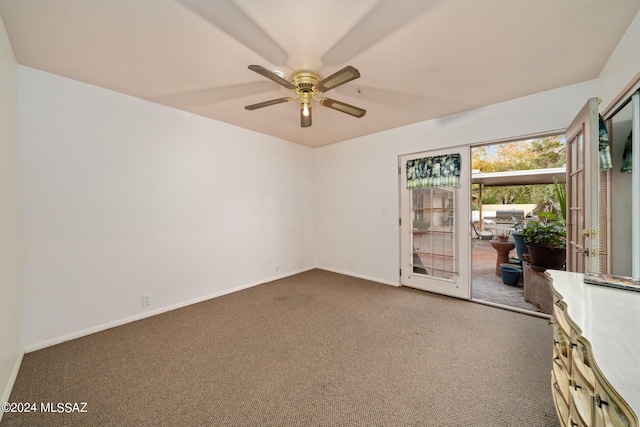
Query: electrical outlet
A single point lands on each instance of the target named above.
(146, 300)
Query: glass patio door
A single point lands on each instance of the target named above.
(435, 244)
(620, 193)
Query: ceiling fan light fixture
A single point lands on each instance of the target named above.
(305, 103)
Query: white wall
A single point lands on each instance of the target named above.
(121, 197)
(620, 69)
(622, 66)
(10, 328)
(357, 180)
(357, 215)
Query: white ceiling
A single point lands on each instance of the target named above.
(419, 59)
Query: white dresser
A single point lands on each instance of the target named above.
(595, 378)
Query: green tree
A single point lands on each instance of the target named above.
(540, 153)
(549, 152)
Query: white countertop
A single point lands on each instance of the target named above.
(610, 319)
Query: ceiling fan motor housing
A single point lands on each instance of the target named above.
(305, 80)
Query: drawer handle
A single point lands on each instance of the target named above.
(572, 344)
(555, 360)
(600, 402)
(576, 386)
(573, 424)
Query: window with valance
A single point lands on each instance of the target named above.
(435, 171)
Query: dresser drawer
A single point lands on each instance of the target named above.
(610, 410)
(562, 407)
(581, 362)
(581, 394)
(559, 313)
(560, 340)
(560, 376)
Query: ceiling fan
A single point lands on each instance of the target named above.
(307, 85)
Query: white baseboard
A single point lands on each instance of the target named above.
(6, 394)
(360, 276)
(78, 334)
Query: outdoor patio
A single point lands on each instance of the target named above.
(486, 286)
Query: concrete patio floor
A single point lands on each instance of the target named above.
(486, 286)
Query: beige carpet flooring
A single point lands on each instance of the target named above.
(315, 349)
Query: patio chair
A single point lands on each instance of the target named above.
(480, 234)
(418, 266)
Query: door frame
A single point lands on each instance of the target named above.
(582, 238)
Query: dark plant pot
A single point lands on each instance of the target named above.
(510, 274)
(543, 258)
(521, 246)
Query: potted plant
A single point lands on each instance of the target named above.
(518, 239)
(546, 241)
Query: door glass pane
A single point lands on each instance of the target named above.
(620, 201)
(580, 151)
(604, 224)
(576, 194)
(573, 158)
(433, 237)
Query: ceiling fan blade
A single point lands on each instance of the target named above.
(230, 18)
(267, 103)
(342, 107)
(305, 121)
(383, 19)
(212, 95)
(271, 76)
(343, 76)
